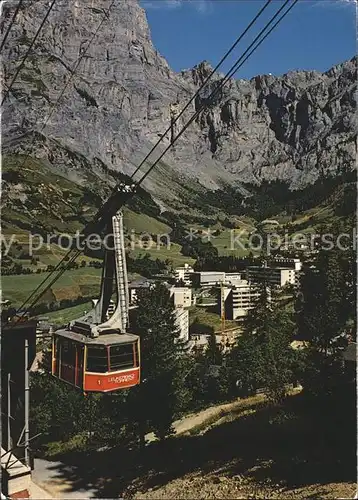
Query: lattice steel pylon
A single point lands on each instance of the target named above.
(114, 267)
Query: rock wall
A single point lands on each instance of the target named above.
(124, 95)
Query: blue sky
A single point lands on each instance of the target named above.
(316, 34)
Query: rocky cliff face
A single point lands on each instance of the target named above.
(296, 127)
(123, 94)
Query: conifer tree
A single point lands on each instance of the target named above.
(263, 357)
(160, 396)
(327, 297)
(213, 354)
(326, 310)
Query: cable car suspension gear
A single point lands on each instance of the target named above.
(97, 354)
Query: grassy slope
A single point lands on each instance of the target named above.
(35, 200)
(251, 450)
(41, 199)
(205, 316)
(70, 285)
(245, 449)
(142, 223)
(70, 313)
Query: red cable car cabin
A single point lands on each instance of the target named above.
(95, 353)
(102, 364)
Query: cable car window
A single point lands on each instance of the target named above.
(67, 352)
(121, 356)
(97, 359)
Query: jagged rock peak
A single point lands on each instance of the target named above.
(199, 73)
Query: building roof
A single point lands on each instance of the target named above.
(298, 344)
(210, 273)
(270, 221)
(290, 259)
(141, 283)
(44, 327)
(242, 283)
(113, 338)
(268, 268)
(146, 283)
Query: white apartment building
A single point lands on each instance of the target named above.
(184, 274)
(291, 263)
(182, 296)
(238, 299)
(182, 323)
(288, 262)
(182, 299)
(232, 278)
(275, 276)
(207, 279)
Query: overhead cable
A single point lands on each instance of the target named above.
(64, 259)
(244, 57)
(21, 65)
(212, 73)
(18, 7)
(229, 75)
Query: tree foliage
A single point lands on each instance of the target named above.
(327, 297)
(160, 396)
(263, 357)
(326, 314)
(174, 382)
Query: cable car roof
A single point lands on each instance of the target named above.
(107, 339)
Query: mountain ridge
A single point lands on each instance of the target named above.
(295, 128)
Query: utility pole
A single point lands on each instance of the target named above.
(222, 307)
(27, 404)
(9, 444)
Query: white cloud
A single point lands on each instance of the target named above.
(347, 3)
(172, 4)
(201, 6)
(151, 5)
(336, 3)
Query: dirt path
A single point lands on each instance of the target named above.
(209, 416)
(38, 493)
(213, 414)
(199, 419)
(217, 484)
(214, 483)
